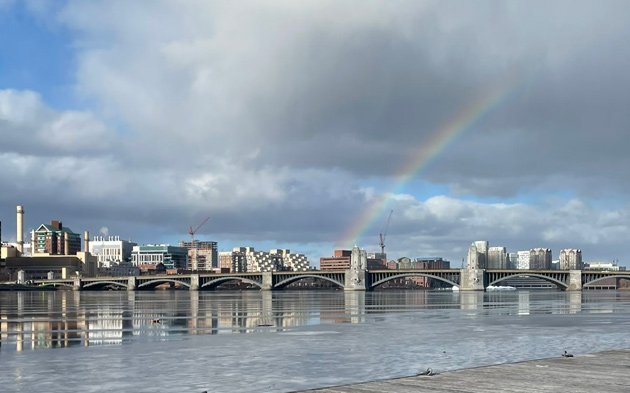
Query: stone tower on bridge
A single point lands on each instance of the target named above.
(356, 275)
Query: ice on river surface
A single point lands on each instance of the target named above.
(253, 341)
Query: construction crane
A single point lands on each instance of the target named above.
(192, 231)
(384, 232)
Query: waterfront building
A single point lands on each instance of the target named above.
(54, 239)
(233, 261)
(571, 259)
(610, 266)
(261, 261)
(202, 255)
(36, 268)
(497, 258)
(523, 260)
(119, 269)
(172, 257)
(339, 261)
(8, 251)
(404, 263)
(291, 261)
(111, 250)
(540, 258)
(512, 260)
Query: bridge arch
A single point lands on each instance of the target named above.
(594, 281)
(552, 280)
(403, 275)
(293, 279)
(159, 281)
(218, 281)
(98, 284)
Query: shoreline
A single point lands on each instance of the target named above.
(23, 287)
(595, 372)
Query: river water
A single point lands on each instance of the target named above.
(251, 341)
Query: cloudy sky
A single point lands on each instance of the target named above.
(290, 122)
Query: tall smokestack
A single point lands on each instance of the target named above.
(66, 244)
(20, 229)
(86, 237)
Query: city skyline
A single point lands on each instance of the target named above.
(501, 256)
(302, 126)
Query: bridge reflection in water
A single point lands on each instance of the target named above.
(52, 319)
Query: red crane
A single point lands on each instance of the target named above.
(192, 231)
(384, 232)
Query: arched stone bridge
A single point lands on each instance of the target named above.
(361, 280)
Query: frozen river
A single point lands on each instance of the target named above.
(179, 341)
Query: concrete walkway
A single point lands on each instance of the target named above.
(600, 372)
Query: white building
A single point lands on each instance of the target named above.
(261, 261)
(293, 262)
(610, 266)
(111, 250)
(540, 258)
(247, 259)
(523, 260)
(497, 258)
(513, 260)
(571, 259)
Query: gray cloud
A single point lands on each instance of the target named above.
(273, 117)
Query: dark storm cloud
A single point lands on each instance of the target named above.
(271, 118)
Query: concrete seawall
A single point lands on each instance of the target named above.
(599, 372)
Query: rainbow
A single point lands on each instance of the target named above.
(437, 142)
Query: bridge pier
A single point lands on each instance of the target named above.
(194, 282)
(575, 280)
(472, 280)
(132, 283)
(355, 280)
(77, 284)
(267, 281)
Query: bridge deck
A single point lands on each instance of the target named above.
(600, 372)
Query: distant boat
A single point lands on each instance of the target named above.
(455, 288)
(500, 288)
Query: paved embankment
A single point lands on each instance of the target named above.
(600, 372)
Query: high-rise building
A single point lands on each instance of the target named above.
(497, 258)
(571, 259)
(111, 250)
(523, 260)
(482, 249)
(540, 258)
(202, 255)
(513, 260)
(172, 257)
(54, 239)
(233, 261)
